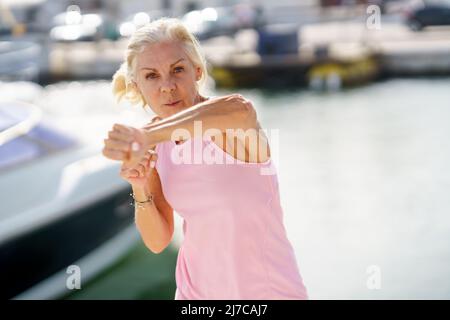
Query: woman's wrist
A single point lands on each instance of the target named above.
(154, 135)
(141, 193)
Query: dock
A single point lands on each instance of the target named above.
(399, 52)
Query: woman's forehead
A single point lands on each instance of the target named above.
(161, 55)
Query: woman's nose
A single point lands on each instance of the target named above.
(168, 86)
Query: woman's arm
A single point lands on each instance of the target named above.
(230, 112)
(155, 220)
(222, 113)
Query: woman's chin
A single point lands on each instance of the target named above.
(171, 111)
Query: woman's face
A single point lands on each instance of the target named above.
(166, 78)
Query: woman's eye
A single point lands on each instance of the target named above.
(151, 76)
(178, 69)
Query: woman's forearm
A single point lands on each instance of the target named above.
(153, 227)
(223, 113)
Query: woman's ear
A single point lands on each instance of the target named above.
(133, 85)
(136, 91)
(198, 73)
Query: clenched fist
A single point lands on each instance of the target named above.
(127, 144)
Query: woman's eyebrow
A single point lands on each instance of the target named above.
(147, 68)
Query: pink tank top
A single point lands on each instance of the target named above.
(234, 244)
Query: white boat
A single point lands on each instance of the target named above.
(62, 204)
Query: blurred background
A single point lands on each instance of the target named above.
(359, 92)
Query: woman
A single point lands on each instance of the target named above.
(235, 244)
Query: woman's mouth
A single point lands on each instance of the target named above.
(172, 104)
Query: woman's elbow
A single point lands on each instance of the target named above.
(245, 113)
(160, 245)
(156, 249)
(250, 117)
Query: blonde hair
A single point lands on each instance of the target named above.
(163, 29)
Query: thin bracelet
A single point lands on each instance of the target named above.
(140, 203)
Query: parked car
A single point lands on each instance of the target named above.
(429, 14)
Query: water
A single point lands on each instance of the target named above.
(364, 181)
(363, 176)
